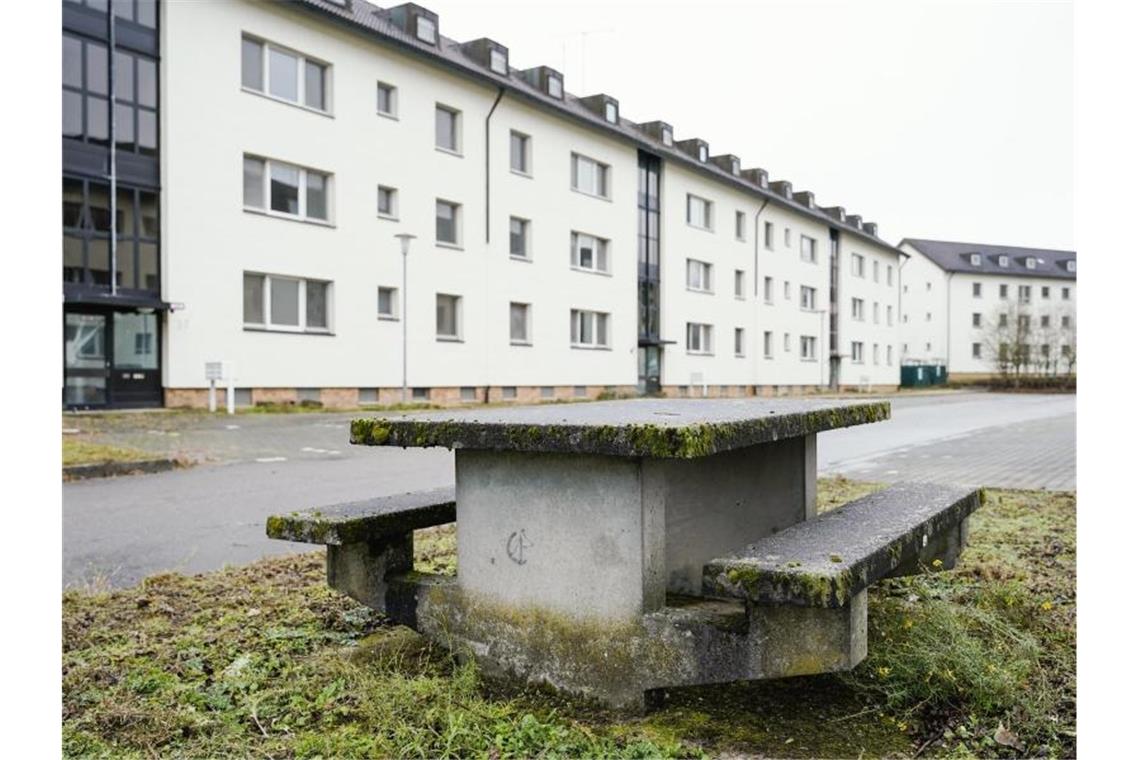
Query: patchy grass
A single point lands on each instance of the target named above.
(78, 450)
(265, 660)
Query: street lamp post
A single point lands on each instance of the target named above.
(405, 239)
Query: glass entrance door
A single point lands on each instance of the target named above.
(649, 366)
(134, 377)
(85, 361)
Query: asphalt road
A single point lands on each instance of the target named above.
(118, 530)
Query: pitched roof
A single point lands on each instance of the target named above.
(957, 257)
(376, 21)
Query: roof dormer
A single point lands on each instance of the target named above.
(975, 259)
(602, 105)
(546, 79)
(758, 177)
(661, 131)
(1071, 266)
(1003, 261)
(838, 213)
(488, 54)
(805, 198)
(729, 163)
(1030, 262)
(871, 228)
(782, 188)
(417, 21)
(695, 147)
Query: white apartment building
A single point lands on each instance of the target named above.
(560, 249)
(966, 305)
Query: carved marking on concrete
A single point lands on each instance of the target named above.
(517, 543)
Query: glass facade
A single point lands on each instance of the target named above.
(649, 273)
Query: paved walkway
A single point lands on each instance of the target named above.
(118, 530)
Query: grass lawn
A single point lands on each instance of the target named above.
(77, 450)
(266, 661)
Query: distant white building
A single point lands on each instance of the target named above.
(966, 306)
(560, 248)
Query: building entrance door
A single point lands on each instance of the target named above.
(135, 379)
(110, 359)
(85, 361)
(649, 369)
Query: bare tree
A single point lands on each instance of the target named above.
(1007, 337)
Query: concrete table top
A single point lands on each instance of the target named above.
(655, 428)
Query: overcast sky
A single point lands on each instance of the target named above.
(946, 120)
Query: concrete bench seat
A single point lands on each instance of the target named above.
(369, 542)
(829, 560)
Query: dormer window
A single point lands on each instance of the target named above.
(1003, 261)
(667, 136)
(612, 113)
(1071, 265)
(1031, 263)
(554, 86)
(703, 153)
(975, 259)
(498, 62)
(425, 30)
(735, 164)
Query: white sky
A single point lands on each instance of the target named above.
(945, 120)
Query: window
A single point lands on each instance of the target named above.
(448, 316)
(807, 249)
(977, 286)
(890, 278)
(520, 238)
(386, 305)
(699, 275)
(787, 342)
(975, 319)
(284, 74)
(738, 342)
(288, 304)
(1065, 322)
(447, 221)
(875, 354)
(787, 290)
(890, 315)
(1003, 291)
(699, 212)
(1003, 261)
(858, 265)
(554, 86)
(467, 393)
(1064, 294)
(787, 237)
(875, 271)
(767, 343)
(1045, 291)
(1024, 292)
(136, 101)
(589, 176)
(386, 202)
(1003, 320)
(447, 122)
(807, 298)
(768, 283)
(386, 100)
(928, 287)
(292, 190)
(698, 338)
(890, 355)
(740, 226)
(857, 351)
(1031, 263)
(807, 347)
(612, 113)
(769, 234)
(589, 252)
(510, 392)
(857, 311)
(520, 153)
(738, 283)
(975, 259)
(425, 29)
(1045, 320)
(498, 62)
(667, 136)
(87, 233)
(703, 153)
(928, 316)
(875, 312)
(589, 329)
(520, 324)
(1071, 265)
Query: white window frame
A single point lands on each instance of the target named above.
(741, 226)
(858, 265)
(769, 353)
(526, 339)
(426, 30)
(302, 305)
(458, 243)
(975, 259)
(525, 171)
(808, 295)
(858, 310)
(738, 284)
(1003, 261)
(1024, 293)
(526, 254)
(302, 190)
(600, 257)
(808, 348)
(703, 332)
(579, 318)
(394, 198)
(857, 352)
(704, 271)
(394, 298)
(302, 59)
(976, 289)
(812, 254)
(769, 236)
(599, 171)
(458, 306)
(769, 290)
(393, 100)
(890, 275)
(787, 237)
(706, 207)
(457, 129)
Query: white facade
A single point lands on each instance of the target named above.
(217, 242)
(955, 317)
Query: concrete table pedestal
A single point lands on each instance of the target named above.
(583, 532)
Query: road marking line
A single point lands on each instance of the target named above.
(270, 459)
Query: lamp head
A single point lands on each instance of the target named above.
(405, 239)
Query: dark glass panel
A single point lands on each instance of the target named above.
(124, 127)
(98, 129)
(72, 259)
(124, 77)
(253, 299)
(284, 189)
(146, 13)
(147, 132)
(147, 83)
(316, 305)
(72, 62)
(72, 114)
(148, 214)
(252, 65)
(148, 267)
(99, 260)
(125, 212)
(72, 202)
(125, 263)
(135, 340)
(99, 206)
(124, 9)
(314, 85)
(316, 196)
(96, 68)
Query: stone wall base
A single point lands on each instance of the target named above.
(356, 398)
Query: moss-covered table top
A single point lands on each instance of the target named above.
(660, 428)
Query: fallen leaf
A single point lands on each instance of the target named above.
(1007, 738)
